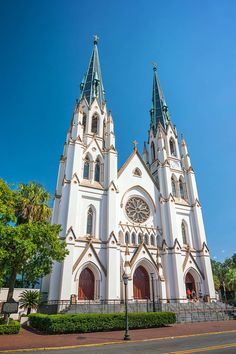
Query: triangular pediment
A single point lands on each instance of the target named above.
(140, 164)
(93, 144)
(89, 249)
(189, 261)
(138, 255)
(70, 235)
(112, 238)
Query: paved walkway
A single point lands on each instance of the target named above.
(27, 339)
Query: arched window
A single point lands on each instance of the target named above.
(97, 171)
(184, 233)
(126, 237)
(86, 168)
(84, 121)
(94, 128)
(146, 240)
(152, 240)
(133, 238)
(157, 181)
(90, 221)
(181, 188)
(153, 155)
(172, 147)
(173, 186)
(139, 239)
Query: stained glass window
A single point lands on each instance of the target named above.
(97, 171)
(86, 168)
(137, 209)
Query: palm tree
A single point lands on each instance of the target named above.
(32, 203)
(29, 299)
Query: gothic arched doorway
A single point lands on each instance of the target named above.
(141, 284)
(86, 285)
(190, 282)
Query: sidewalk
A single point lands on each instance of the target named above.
(27, 339)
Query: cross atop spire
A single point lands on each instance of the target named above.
(95, 39)
(92, 85)
(159, 111)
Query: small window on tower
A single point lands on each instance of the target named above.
(153, 156)
(84, 122)
(94, 128)
(184, 233)
(86, 168)
(173, 186)
(172, 147)
(90, 221)
(97, 171)
(181, 189)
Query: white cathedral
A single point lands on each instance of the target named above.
(143, 220)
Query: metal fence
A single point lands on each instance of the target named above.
(185, 312)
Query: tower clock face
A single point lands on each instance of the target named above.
(137, 210)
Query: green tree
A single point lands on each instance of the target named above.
(32, 244)
(230, 280)
(29, 299)
(7, 203)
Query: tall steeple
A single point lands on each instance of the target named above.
(92, 85)
(159, 111)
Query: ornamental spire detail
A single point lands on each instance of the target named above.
(159, 111)
(92, 85)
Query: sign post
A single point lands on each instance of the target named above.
(10, 307)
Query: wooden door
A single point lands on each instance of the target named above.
(141, 284)
(86, 285)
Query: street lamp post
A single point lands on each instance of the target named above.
(153, 296)
(126, 336)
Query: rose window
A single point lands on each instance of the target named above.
(137, 210)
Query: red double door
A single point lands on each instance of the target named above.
(141, 284)
(86, 285)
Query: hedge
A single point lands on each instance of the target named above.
(81, 323)
(12, 328)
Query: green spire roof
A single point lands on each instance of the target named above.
(91, 85)
(159, 111)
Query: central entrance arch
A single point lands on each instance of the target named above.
(141, 283)
(86, 285)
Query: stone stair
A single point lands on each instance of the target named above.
(200, 312)
(185, 312)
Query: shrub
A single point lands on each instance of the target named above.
(12, 328)
(80, 323)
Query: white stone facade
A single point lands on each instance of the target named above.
(163, 232)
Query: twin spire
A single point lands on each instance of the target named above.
(159, 111)
(92, 87)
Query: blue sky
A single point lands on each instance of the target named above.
(45, 48)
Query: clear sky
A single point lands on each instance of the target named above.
(45, 48)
